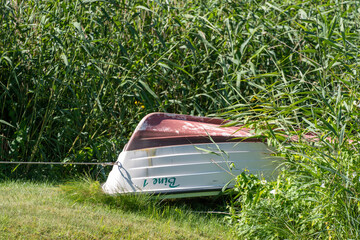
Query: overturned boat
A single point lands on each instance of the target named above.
(187, 156)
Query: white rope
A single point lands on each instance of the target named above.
(62, 163)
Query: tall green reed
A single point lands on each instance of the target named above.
(302, 81)
(77, 76)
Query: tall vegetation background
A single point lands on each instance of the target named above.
(77, 76)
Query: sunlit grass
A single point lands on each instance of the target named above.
(81, 211)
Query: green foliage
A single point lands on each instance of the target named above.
(304, 98)
(77, 76)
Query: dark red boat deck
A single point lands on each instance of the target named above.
(164, 129)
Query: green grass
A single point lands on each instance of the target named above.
(79, 211)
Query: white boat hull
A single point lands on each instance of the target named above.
(188, 168)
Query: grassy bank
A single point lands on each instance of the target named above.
(44, 211)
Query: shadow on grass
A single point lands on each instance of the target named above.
(88, 191)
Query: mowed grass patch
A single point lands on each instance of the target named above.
(34, 211)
